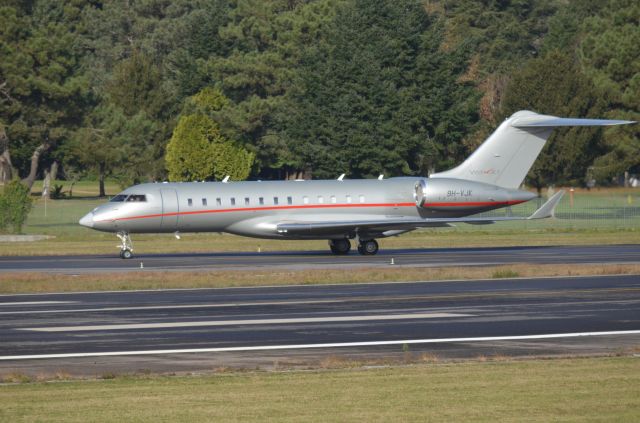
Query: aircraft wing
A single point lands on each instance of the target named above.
(404, 224)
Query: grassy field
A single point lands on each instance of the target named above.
(23, 283)
(596, 217)
(568, 390)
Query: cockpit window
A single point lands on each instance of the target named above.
(137, 198)
(119, 198)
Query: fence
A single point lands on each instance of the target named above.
(583, 209)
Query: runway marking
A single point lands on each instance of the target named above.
(327, 345)
(246, 322)
(171, 307)
(328, 285)
(434, 297)
(21, 303)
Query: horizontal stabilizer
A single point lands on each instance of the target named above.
(505, 158)
(539, 121)
(548, 208)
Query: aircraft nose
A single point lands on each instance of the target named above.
(87, 220)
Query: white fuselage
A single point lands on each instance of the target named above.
(255, 208)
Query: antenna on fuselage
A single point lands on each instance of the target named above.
(341, 177)
(226, 179)
(381, 177)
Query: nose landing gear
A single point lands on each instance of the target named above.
(126, 246)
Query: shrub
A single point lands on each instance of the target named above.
(56, 192)
(15, 205)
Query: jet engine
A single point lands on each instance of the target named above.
(456, 194)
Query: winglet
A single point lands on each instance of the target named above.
(548, 209)
(226, 179)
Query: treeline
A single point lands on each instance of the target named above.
(273, 89)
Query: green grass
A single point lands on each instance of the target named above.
(23, 283)
(569, 390)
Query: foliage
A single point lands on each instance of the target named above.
(57, 193)
(198, 151)
(610, 53)
(378, 95)
(110, 143)
(189, 156)
(44, 89)
(15, 205)
(312, 87)
(554, 84)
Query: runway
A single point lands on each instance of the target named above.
(176, 329)
(436, 257)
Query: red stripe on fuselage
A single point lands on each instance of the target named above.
(315, 206)
(474, 204)
(248, 209)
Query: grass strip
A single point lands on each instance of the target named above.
(591, 389)
(25, 283)
(81, 241)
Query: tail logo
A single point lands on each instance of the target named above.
(491, 171)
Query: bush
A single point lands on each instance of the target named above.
(56, 192)
(15, 205)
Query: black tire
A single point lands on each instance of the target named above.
(340, 246)
(368, 248)
(126, 254)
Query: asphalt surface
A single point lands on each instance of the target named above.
(172, 330)
(436, 257)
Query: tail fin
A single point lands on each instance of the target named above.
(505, 158)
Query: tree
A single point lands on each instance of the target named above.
(43, 91)
(555, 85)
(197, 150)
(106, 144)
(378, 95)
(609, 51)
(15, 205)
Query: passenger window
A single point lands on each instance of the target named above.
(233, 201)
(190, 202)
(305, 199)
(275, 201)
(333, 199)
(204, 201)
(218, 201)
(320, 199)
(246, 201)
(348, 199)
(289, 200)
(361, 198)
(261, 201)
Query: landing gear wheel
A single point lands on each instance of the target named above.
(368, 248)
(339, 246)
(126, 247)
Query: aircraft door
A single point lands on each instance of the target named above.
(170, 209)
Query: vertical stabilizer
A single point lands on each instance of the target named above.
(505, 158)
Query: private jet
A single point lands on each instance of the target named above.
(342, 210)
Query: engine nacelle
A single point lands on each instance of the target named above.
(444, 194)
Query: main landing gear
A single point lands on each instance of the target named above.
(126, 247)
(368, 247)
(342, 246)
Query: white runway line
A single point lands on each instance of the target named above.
(23, 303)
(245, 322)
(329, 345)
(171, 307)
